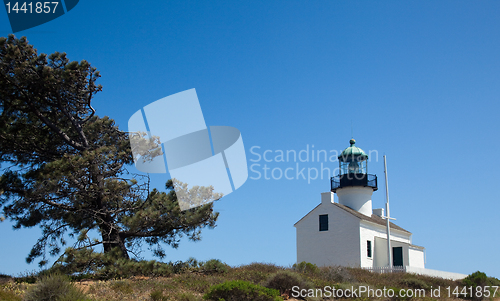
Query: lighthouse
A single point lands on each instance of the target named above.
(354, 186)
(350, 232)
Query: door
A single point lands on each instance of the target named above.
(397, 256)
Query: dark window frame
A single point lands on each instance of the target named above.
(369, 248)
(323, 222)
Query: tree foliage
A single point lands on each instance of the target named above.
(65, 168)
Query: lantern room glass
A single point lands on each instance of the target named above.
(353, 166)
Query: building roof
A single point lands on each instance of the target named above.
(307, 214)
(352, 153)
(410, 245)
(373, 219)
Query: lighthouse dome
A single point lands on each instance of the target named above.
(352, 153)
(353, 170)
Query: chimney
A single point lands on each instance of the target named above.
(379, 212)
(327, 197)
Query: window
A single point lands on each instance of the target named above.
(369, 248)
(323, 222)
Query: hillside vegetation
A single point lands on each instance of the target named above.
(214, 280)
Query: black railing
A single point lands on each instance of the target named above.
(354, 179)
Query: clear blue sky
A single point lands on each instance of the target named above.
(420, 81)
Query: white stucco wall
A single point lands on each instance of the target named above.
(337, 246)
(416, 257)
(345, 242)
(412, 255)
(380, 258)
(378, 235)
(357, 198)
(435, 273)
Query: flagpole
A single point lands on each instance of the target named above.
(388, 215)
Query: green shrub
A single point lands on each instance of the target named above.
(187, 297)
(157, 295)
(492, 281)
(130, 267)
(4, 279)
(306, 267)
(83, 261)
(179, 267)
(414, 283)
(27, 277)
(475, 279)
(337, 274)
(86, 263)
(214, 266)
(122, 287)
(398, 293)
(54, 288)
(479, 279)
(8, 296)
(283, 281)
(262, 267)
(193, 263)
(239, 290)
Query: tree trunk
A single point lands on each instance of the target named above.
(110, 235)
(112, 239)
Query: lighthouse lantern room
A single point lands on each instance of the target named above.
(353, 170)
(354, 186)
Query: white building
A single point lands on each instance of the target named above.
(350, 232)
(334, 234)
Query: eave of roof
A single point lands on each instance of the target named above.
(306, 214)
(399, 242)
(418, 247)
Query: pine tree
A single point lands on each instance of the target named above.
(64, 169)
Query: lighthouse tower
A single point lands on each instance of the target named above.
(350, 233)
(354, 186)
